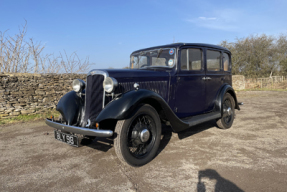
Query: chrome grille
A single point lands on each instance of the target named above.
(94, 96)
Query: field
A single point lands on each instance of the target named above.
(250, 156)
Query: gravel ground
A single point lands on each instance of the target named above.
(250, 156)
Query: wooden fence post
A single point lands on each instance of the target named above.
(261, 83)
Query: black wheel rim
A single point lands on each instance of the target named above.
(135, 146)
(227, 117)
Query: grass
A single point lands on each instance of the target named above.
(32, 117)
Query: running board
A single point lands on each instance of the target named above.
(195, 120)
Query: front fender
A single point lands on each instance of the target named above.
(124, 106)
(69, 106)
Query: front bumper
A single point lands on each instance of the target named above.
(80, 130)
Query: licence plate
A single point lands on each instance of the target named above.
(67, 138)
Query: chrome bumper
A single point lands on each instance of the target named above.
(80, 130)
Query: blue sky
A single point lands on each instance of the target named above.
(108, 31)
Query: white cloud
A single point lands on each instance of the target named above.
(206, 18)
(226, 19)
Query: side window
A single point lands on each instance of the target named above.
(226, 62)
(213, 60)
(191, 59)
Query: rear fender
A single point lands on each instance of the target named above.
(225, 89)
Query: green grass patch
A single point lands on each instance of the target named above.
(31, 117)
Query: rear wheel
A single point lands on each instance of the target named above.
(228, 116)
(138, 137)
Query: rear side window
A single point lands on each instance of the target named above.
(213, 60)
(226, 62)
(191, 59)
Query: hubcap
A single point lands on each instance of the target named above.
(144, 135)
(229, 111)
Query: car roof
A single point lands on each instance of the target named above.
(177, 45)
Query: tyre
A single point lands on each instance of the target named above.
(228, 115)
(138, 138)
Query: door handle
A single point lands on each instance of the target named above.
(206, 78)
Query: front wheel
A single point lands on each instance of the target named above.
(138, 137)
(228, 116)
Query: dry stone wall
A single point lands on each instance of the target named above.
(238, 82)
(32, 93)
(35, 93)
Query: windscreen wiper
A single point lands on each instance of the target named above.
(159, 52)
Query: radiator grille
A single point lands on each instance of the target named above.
(94, 96)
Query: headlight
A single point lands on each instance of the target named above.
(110, 84)
(78, 85)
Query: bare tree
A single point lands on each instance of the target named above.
(18, 55)
(35, 50)
(73, 64)
(13, 50)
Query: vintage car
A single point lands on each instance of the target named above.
(181, 85)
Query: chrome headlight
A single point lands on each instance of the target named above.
(110, 84)
(78, 85)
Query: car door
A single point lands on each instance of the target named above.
(190, 86)
(214, 76)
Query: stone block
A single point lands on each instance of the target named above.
(29, 111)
(40, 92)
(3, 115)
(3, 109)
(15, 113)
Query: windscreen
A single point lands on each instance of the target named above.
(162, 57)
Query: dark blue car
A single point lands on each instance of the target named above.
(182, 85)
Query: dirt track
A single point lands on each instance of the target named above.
(251, 156)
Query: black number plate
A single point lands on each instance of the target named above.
(67, 138)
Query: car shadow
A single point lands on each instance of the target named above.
(166, 135)
(221, 184)
(102, 144)
(196, 129)
(105, 144)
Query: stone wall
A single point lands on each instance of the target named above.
(238, 82)
(32, 93)
(35, 93)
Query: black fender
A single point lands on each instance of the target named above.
(225, 89)
(70, 106)
(124, 106)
